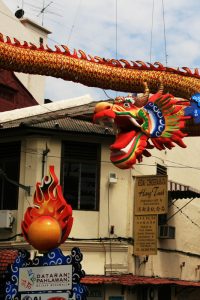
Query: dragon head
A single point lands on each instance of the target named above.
(142, 123)
(127, 120)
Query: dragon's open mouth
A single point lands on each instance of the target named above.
(130, 142)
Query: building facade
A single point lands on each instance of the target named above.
(102, 197)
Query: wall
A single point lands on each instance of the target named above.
(183, 167)
(116, 208)
(87, 224)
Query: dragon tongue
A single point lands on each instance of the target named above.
(122, 140)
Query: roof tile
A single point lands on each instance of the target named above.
(131, 280)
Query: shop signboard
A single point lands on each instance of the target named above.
(145, 235)
(151, 195)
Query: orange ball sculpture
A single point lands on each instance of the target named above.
(49, 222)
(44, 233)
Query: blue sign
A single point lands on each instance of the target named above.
(24, 270)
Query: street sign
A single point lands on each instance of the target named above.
(45, 278)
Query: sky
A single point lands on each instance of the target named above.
(150, 30)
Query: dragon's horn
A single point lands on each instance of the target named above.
(161, 87)
(142, 100)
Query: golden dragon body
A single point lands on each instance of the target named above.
(119, 75)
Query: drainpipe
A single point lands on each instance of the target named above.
(44, 155)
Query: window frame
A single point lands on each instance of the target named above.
(81, 162)
(161, 170)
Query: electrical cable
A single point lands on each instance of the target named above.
(180, 252)
(164, 32)
(151, 37)
(116, 42)
(180, 210)
(116, 33)
(109, 162)
(74, 21)
(128, 240)
(116, 29)
(110, 98)
(11, 238)
(110, 243)
(171, 161)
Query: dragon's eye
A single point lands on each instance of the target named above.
(126, 104)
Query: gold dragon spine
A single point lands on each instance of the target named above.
(119, 75)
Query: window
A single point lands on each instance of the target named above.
(41, 40)
(80, 174)
(9, 165)
(161, 170)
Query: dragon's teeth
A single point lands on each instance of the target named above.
(128, 147)
(134, 122)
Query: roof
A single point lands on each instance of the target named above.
(134, 280)
(58, 107)
(7, 257)
(72, 125)
(180, 191)
(72, 115)
(24, 21)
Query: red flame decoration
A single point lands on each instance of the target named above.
(49, 202)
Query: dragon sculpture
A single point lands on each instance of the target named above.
(158, 119)
(143, 123)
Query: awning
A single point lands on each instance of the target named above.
(133, 280)
(180, 191)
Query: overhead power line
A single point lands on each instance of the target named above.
(164, 32)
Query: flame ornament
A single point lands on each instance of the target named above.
(49, 222)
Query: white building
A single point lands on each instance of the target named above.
(61, 134)
(25, 30)
(103, 225)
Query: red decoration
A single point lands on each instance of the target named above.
(142, 123)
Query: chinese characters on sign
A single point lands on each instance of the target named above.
(145, 237)
(151, 199)
(151, 195)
